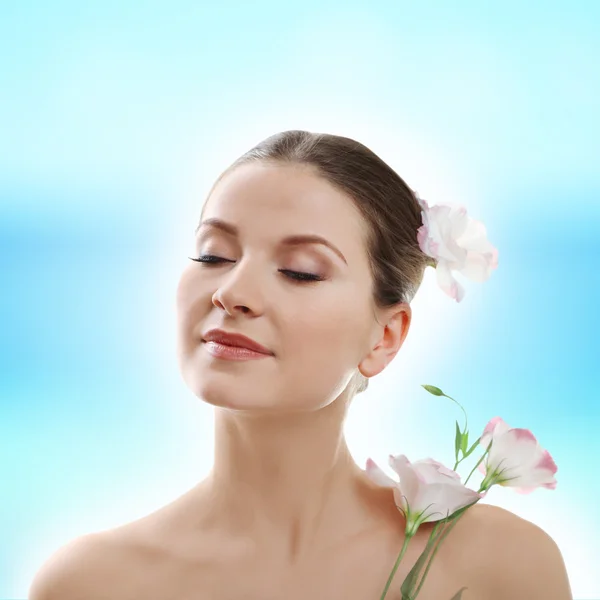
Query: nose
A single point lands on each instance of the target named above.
(239, 290)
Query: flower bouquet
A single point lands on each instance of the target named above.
(427, 491)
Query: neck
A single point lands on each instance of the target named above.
(287, 482)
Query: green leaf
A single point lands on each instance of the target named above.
(433, 390)
(458, 594)
(464, 442)
(457, 441)
(470, 450)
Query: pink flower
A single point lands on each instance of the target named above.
(458, 243)
(427, 490)
(515, 459)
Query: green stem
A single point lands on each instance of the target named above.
(453, 400)
(441, 539)
(396, 565)
(478, 463)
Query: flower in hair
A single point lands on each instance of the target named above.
(458, 243)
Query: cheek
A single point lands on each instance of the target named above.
(190, 289)
(182, 303)
(321, 352)
(182, 292)
(187, 311)
(319, 333)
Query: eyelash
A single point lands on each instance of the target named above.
(210, 259)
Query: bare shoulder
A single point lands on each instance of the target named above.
(519, 559)
(81, 568)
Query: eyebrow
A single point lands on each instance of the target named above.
(290, 240)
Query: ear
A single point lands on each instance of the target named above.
(388, 341)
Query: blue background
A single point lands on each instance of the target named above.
(116, 118)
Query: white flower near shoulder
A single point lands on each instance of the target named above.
(515, 459)
(458, 243)
(426, 491)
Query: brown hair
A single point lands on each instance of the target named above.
(389, 206)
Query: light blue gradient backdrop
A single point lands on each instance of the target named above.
(116, 117)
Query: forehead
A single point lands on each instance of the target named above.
(293, 198)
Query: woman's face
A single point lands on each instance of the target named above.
(318, 331)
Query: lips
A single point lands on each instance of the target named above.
(237, 340)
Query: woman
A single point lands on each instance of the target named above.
(307, 246)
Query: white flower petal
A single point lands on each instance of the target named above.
(495, 426)
(476, 267)
(447, 282)
(460, 222)
(409, 477)
(474, 238)
(378, 476)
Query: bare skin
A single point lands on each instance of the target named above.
(171, 554)
(491, 554)
(285, 513)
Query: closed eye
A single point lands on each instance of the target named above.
(298, 276)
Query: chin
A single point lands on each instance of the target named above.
(233, 394)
